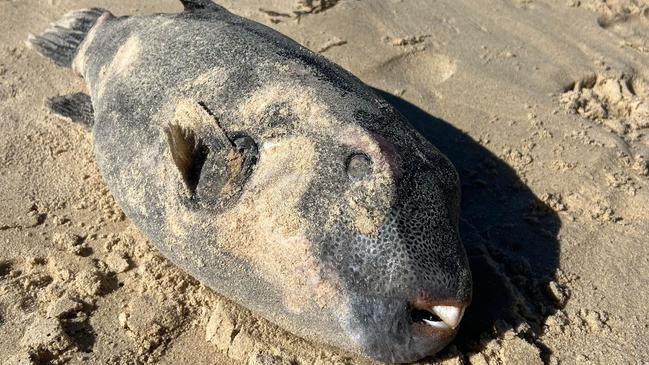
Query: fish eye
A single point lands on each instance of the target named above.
(359, 165)
(247, 146)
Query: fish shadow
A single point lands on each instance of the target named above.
(510, 236)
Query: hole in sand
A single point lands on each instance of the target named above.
(5, 268)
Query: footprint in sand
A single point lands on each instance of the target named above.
(420, 68)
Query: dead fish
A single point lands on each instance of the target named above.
(271, 174)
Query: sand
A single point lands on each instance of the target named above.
(542, 105)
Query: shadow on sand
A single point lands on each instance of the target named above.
(510, 236)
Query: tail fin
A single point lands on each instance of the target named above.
(61, 41)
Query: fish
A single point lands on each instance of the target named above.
(272, 175)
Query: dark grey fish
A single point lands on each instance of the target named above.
(272, 175)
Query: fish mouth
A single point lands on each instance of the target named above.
(439, 317)
(435, 316)
(402, 331)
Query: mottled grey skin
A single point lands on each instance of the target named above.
(412, 258)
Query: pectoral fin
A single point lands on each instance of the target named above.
(73, 107)
(214, 166)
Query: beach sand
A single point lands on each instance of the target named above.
(543, 106)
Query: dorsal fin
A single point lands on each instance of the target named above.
(200, 5)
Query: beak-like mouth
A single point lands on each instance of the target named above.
(445, 317)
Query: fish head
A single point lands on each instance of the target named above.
(383, 211)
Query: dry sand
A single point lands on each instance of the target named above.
(542, 105)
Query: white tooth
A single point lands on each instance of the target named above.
(437, 324)
(451, 315)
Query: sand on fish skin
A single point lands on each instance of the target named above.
(556, 91)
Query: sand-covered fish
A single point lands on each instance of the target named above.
(271, 174)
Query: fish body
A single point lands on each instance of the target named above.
(272, 175)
